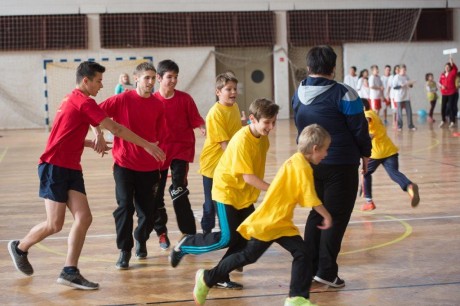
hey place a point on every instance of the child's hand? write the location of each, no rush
(154, 150)
(203, 130)
(106, 149)
(326, 223)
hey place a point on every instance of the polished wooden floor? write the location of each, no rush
(394, 255)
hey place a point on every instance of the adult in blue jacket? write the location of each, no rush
(338, 108)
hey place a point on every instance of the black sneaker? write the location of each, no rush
(76, 281)
(123, 260)
(141, 250)
(21, 262)
(164, 241)
(229, 285)
(336, 283)
(176, 253)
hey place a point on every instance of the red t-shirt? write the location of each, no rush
(182, 117)
(143, 116)
(448, 81)
(67, 139)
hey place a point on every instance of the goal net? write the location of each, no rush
(60, 79)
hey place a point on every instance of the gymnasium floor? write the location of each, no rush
(394, 255)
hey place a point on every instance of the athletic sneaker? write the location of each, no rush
(337, 283)
(176, 253)
(229, 285)
(298, 301)
(21, 262)
(141, 250)
(442, 124)
(76, 281)
(164, 241)
(452, 125)
(123, 260)
(412, 190)
(368, 206)
(200, 291)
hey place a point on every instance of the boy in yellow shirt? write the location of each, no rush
(222, 122)
(386, 153)
(238, 180)
(272, 221)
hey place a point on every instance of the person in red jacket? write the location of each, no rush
(449, 102)
(181, 117)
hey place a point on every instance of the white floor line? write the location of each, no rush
(298, 225)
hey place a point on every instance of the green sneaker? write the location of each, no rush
(298, 301)
(200, 291)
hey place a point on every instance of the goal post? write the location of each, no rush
(59, 79)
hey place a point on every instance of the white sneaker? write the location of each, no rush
(441, 124)
(451, 125)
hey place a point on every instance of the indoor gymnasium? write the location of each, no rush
(399, 247)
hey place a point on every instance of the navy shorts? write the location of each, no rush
(55, 182)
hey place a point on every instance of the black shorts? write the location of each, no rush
(55, 182)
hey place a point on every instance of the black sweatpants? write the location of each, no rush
(301, 275)
(134, 192)
(179, 195)
(336, 186)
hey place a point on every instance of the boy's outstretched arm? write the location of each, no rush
(255, 181)
(327, 219)
(126, 134)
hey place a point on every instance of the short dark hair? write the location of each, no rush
(388, 66)
(321, 60)
(165, 66)
(428, 75)
(89, 70)
(366, 104)
(142, 67)
(354, 68)
(263, 108)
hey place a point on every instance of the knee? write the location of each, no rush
(84, 220)
(251, 257)
(54, 227)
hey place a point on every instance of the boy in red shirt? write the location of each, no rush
(61, 177)
(136, 173)
(181, 116)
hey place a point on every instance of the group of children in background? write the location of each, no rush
(391, 90)
(377, 92)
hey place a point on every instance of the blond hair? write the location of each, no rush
(312, 135)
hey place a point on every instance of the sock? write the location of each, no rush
(71, 270)
(368, 200)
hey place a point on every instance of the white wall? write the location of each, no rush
(21, 85)
(420, 58)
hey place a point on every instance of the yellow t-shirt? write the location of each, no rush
(431, 89)
(273, 218)
(245, 154)
(382, 146)
(222, 122)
